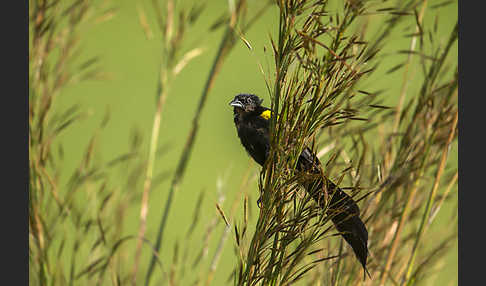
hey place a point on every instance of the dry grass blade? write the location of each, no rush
(221, 212)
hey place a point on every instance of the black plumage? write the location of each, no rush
(252, 124)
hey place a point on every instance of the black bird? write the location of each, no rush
(252, 123)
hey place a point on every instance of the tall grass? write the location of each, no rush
(92, 207)
(321, 58)
(393, 159)
(227, 42)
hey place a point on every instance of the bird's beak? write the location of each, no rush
(236, 103)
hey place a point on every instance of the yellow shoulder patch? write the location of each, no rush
(266, 114)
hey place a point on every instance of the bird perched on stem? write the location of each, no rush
(252, 122)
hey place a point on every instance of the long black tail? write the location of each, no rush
(342, 208)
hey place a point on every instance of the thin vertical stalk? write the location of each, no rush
(148, 182)
(444, 196)
(431, 198)
(163, 92)
(224, 47)
(227, 230)
(406, 81)
(403, 218)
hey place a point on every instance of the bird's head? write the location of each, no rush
(246, 103)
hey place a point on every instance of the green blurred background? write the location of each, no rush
(131, 63)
